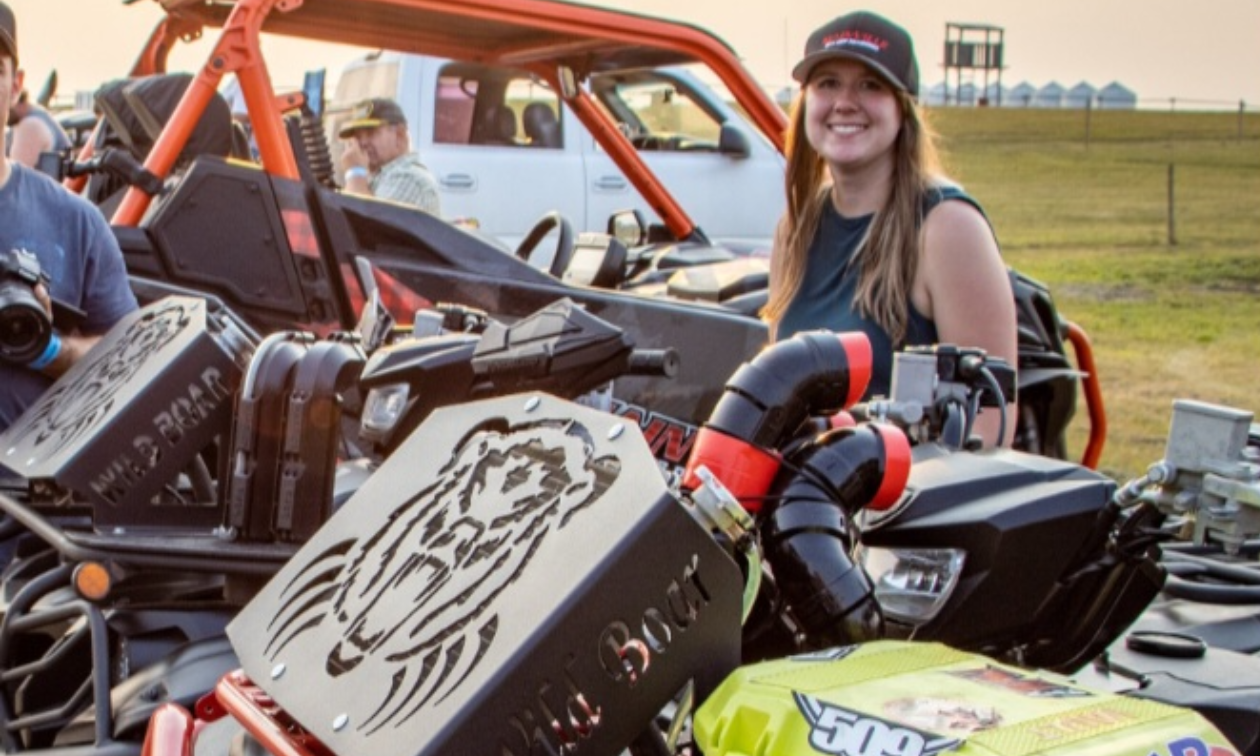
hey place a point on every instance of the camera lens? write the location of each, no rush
(24, 332)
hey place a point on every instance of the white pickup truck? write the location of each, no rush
(506, 151)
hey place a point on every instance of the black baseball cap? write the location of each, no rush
(866, 38)
(8, 31)
(369, 114)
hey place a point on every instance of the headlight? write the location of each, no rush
(383, 408)
(912, 585)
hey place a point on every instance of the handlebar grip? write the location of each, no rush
(664, 362)
(124, 165)
(118, 163)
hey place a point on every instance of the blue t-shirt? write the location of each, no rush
(825, 298)
(78, 252)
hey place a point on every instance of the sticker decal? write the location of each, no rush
(841, 732)
(1026, 685)
(1193, 746)
(955, 717)
(669, 438)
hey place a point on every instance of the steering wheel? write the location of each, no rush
(564, 242)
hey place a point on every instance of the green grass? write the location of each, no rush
(1091, 219)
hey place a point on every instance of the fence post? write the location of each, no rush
(1242, 110)
(1172, 205)
(1089, 109)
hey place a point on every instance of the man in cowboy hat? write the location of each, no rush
(378, 160)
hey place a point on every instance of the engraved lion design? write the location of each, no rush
(72, 408)
(413, 601)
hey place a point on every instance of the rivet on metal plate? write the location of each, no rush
(277, 671)
(340, 722)
(532, 403)
(615, 432)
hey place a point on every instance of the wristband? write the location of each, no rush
(356, 172)
(50, 353)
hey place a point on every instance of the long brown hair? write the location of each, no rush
(888, 258)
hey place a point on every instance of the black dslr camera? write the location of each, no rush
(25, 327)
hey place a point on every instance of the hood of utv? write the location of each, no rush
(1026, 522)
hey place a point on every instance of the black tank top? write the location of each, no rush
(825, 299)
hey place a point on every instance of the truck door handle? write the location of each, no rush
(458, 181)
(610, 183)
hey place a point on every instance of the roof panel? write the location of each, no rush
(515, 31)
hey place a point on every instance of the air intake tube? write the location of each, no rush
(767, 401)
(807, 529)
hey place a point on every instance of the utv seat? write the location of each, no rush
(498, 126)
(135, 111)
(541, 126)
(598, 260)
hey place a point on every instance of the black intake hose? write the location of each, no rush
(807, 528)
(769, 399)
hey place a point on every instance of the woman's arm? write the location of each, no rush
(964, 287)
(30, 138)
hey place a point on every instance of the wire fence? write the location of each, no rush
(1181, 104)
(1090, 124)
(1109, 178)
(1082, 99)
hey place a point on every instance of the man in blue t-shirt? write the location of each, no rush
(73, 243)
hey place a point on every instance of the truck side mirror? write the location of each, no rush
(628, 227)
(733, 142)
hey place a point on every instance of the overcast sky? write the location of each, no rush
(1206, 52)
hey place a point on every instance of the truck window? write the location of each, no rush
(538, 113)
(453, 112)
(496, 107)
(657, 114)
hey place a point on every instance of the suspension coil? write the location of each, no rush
(318, 154)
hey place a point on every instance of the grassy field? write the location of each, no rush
(1172, 312)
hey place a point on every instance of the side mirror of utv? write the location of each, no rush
(629, 227)
(733, 142)
(375, 320)
(568, 82)
(313, 88)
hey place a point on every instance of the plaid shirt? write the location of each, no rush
(406, 180)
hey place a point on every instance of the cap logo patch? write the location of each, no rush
(852, 38)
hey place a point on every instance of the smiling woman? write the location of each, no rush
(875, 238)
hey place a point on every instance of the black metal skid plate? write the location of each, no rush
(515, 578)
(126, 420)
